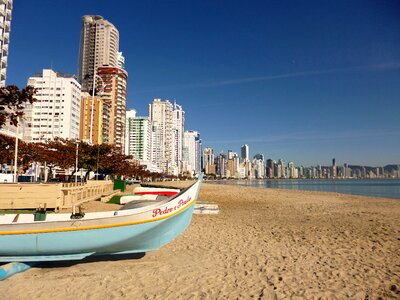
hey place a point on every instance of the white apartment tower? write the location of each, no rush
(157, 147)
(160, 115)
(178, 127)
(56, 112)
(138, 137)
(129, 136)
(192, 152)
(99, 47)
(5, 27)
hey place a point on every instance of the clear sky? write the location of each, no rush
(304, 81)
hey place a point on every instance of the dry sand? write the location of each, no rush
(264, 244)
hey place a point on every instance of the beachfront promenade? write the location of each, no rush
(55, 195)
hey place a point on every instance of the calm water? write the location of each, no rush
(387, 188)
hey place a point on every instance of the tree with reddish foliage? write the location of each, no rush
(7, 146)
(61, 153)
(116, 163)
(57, 153)
(12, 102)
(95, 157)
(26, 153)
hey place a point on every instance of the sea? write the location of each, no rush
(386, 188)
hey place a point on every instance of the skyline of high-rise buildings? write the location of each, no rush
(92, 108)
(232, 167)
(99, 115)
(54, 44)
(174, 150)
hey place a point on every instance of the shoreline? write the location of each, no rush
(334, 186)
(265, 243)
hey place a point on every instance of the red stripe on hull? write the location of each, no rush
(157, 193)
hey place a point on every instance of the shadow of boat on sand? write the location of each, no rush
(90, 259)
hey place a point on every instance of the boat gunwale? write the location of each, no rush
(93, 227)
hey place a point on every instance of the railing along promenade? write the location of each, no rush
(55, 195)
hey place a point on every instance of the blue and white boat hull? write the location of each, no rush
(124, 231)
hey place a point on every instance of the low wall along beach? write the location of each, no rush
(55, 196)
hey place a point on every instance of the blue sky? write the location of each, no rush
(304, 81)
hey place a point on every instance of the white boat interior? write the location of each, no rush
(54, 217)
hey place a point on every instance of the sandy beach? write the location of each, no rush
(264, 244)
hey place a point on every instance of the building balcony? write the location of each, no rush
(6, 37)
(7, 26)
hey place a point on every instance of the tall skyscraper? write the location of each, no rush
(5, 27)
(114, 105)
(178, 127)
(334, 169)
(56, 112)
(99, 47)
(199, 150)
(244, 151)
